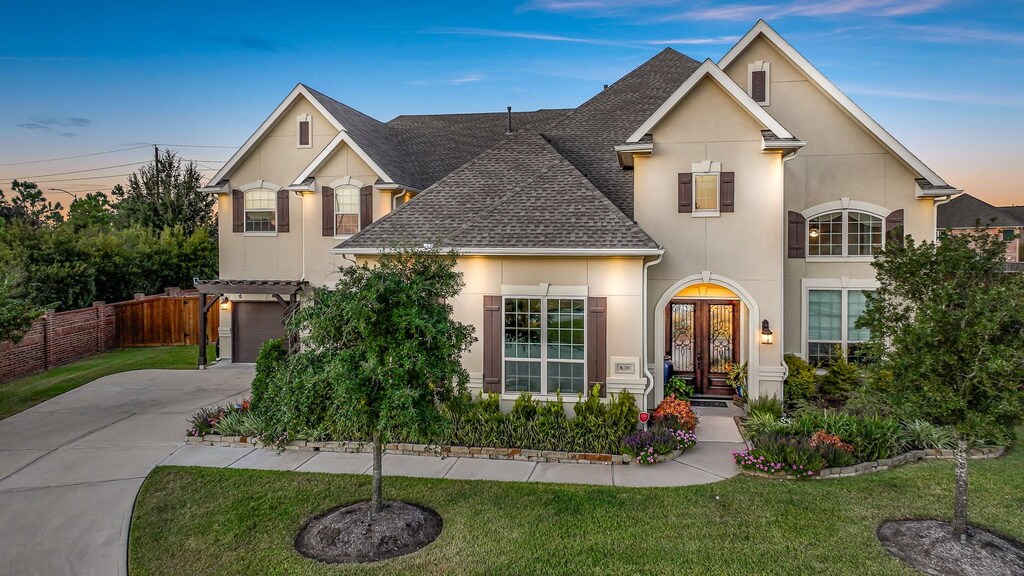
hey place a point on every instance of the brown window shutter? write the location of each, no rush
(327, 198)
(237, 211)
(894, 227)
(797, 235)
(685, 192)
(597, 343)
(365, 206)
(282, 211)
(727, 189)
(493, 340)
(304, 133)
(758, 85)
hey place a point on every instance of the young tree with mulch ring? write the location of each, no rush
(393, 349)
(948, 323)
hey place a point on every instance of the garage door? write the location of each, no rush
(253, 323)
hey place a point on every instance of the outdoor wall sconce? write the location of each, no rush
(766, 332)
(224, 303)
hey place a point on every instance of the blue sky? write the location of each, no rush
(945, 77)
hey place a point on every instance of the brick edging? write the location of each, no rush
(421, 450)
(982, 453)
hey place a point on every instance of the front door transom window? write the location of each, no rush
(544, 345)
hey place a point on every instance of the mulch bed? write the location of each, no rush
(350, 534)
(929, 546)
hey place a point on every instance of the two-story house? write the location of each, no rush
(965, 212)
(710, 213)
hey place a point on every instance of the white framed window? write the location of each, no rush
(831, 311)
(759, 82)
(304, 131)
(707, 193)
(261, 211)
(544, 348)
(346, 210)
(845, 233)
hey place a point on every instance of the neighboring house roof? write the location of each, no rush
(933, 185)
(587, 137)
(966, 211)
(519, 197)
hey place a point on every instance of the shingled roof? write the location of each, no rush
(966, 211)
(587, 137)
(520, 194)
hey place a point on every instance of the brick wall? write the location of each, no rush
(59, 338)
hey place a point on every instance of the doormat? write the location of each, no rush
(709, 403)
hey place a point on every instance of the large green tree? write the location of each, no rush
(163, 195)
(947, 322)
(16, 309)
(390, 344)
(27, 204)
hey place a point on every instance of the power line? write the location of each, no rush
(78, 156)
(89, 178)
(85, 170)
(195, 146)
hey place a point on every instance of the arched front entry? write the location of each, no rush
(705, 323)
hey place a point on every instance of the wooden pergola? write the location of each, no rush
(286, 292)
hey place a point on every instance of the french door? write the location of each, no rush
(703, 341)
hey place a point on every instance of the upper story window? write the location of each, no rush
(844, 233)
(346, 210)
(544, 349)
(305, 131)
(758, 81)
(260, 211)
(705, 192)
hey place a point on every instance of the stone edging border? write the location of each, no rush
(421, 450)
(913, 456)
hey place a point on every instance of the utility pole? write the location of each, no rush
(156, 168)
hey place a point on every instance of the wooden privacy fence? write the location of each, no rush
(167, 319)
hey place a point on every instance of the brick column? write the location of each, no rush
(49, 339)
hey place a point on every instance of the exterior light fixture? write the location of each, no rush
(766, 333)
(224, 303)
(814, 232)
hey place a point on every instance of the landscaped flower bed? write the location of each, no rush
(670, 432)
(826, 443)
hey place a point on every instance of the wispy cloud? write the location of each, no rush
(809, 8)
(961, 35)
(457, 81)
(542, 37)
(62, 126)
(941, 96)
(592, 7)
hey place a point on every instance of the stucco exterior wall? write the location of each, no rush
(745, 246)
(617, 279)
(841, 160)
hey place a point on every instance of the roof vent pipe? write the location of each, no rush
(509, 108)
(605, 87)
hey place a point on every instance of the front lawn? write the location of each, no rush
(219, 521)
(24, 393)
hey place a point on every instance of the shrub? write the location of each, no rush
(661, 440)
(766, 405)
(678, 409)
(209, 420)
(922, 435)
(679, 387)
(778, 452)
(270, 359)
(872, 437)
(841, 378)
(240, 423)
(759, 423)
(802, 383)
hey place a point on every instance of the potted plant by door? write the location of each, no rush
(737, 377)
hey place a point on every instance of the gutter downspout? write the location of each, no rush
(935, 216)
(647, 370)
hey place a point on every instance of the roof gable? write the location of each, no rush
(708, 70)
(966, 211)
(935, 186)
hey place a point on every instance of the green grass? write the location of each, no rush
(26, 392)
(219, 521)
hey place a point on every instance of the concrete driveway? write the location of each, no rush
(70, 468)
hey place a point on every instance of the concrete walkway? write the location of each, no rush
(709, 461)
(70, 468)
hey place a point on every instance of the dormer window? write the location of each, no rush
(305, 131)
(758, 80)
